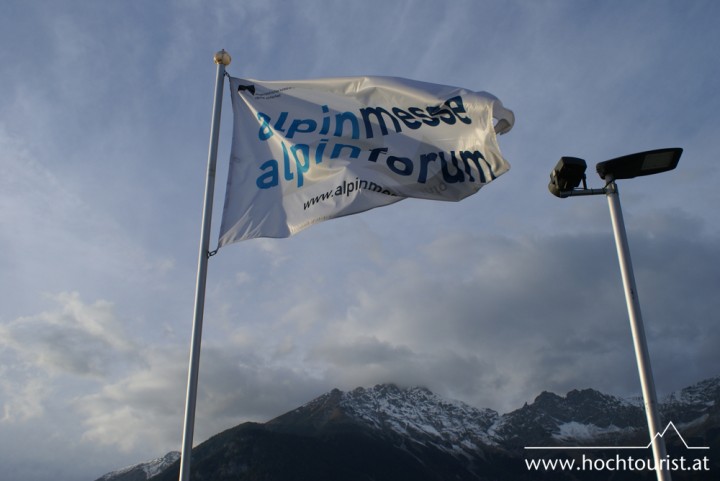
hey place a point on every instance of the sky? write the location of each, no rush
(104, 128)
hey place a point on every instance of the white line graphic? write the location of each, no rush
(662, 434)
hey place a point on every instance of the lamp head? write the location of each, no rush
(642, 163)
(566, 176)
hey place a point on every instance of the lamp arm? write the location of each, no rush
(577, 192)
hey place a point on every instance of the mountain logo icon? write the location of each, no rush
(661, 434)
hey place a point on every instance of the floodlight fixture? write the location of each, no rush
(566, 176)
(642, 163)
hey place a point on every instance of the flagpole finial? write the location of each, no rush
(222, 57)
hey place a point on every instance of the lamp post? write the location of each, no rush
(564, 182)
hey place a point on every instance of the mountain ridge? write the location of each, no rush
(394, 433)
(142, 471)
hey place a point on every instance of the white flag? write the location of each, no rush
(310, 150)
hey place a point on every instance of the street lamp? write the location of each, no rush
(564, 182)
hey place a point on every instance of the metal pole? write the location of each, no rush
(221, 60)
(638, 332)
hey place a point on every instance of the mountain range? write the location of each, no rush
(391, 433)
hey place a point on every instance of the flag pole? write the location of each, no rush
(222, 58)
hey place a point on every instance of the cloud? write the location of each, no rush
(145, 408)
(76, 339)
(47, 350)
(492, 320)
(23, 402)
(528, 314)
(471, 316)
(138, 407)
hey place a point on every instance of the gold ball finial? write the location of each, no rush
(222, 57)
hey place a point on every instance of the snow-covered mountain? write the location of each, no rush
(142, 471)
(394, 433)
(582, 417)
(413, 414)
